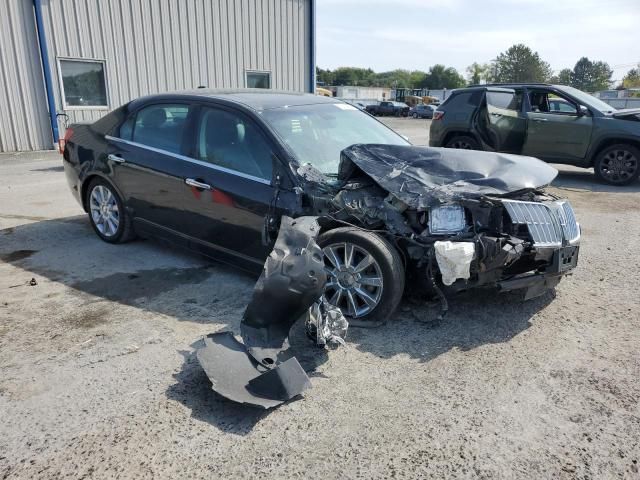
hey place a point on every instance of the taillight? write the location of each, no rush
(63, 141)
(437, 115)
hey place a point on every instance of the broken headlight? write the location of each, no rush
(446, 219)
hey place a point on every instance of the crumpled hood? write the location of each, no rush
(425, 176)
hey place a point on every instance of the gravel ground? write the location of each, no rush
(98, 377)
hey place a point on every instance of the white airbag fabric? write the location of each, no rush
(454, 260)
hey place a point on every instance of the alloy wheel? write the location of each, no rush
(618, 166)
(104, 210)
(354, 282)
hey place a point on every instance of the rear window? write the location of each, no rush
(159, 126)
(462, 100)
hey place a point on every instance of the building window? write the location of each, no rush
(83, 83)
(258, 80)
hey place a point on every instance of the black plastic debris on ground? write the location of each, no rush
(261, 371)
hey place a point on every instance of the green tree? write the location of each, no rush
(324, 76)
(440, 76)
(353, 76)
(519, 64)
(478, 72)
(632, 78)
(591, 76)
(563, 77)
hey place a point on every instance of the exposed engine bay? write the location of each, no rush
(460, 219)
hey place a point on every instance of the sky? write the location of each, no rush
(415, 34)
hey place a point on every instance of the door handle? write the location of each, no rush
(194, 183)
(115, 158)
(539, 119)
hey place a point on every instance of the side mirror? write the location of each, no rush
(583, 111)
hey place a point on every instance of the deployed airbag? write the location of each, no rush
(454, 260)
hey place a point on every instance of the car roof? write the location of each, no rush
(255, 98)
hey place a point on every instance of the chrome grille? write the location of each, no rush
(570, 227)
(543, 226)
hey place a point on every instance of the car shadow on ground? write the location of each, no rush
(193, 389)
(145, 274)
(584, 179)
(153, 277)
(475, 318)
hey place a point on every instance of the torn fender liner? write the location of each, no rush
(427, 176)
(261, 371)
(292, 280)
(237, 376)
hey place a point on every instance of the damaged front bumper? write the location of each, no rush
(540, 244)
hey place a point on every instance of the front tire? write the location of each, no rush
(618, 164)
(415, 115)
(464, 142)
(108, 217)
(365, 275)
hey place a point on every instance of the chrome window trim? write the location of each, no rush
(191, 160)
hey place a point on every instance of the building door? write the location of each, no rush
(24, 117)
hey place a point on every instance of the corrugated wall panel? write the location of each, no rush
(24, 117)
(148, 46)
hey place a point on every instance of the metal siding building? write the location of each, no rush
(144, 47)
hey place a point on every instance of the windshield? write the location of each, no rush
(589, 100)
(317, 134)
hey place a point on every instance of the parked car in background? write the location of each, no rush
(359, 104)
(382, 109)
(422, 111)
(555, 123)
(401, 109)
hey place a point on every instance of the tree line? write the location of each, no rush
(517, 64)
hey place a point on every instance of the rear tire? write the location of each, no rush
(618, 164)
(464, 142)
(108, 217)
(377, 289)
(415, 115)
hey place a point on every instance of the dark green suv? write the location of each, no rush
(555, 123)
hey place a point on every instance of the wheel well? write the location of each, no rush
(85, 185)
(83, 190)
(327, 224)
(607, 143)
(450, 135)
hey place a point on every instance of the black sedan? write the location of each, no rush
(214, 171)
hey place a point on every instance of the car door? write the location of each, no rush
(556, 129)
(230, 176)
(501, 123)
(147, 167)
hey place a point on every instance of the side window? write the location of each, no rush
(543, 101)
(126, 129)
(457, 100)
(228, 140)
(158, 126)
(560, 105)
(505, 100)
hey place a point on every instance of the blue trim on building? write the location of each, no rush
(312, 47)
(44, 56)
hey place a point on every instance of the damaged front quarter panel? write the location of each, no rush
(260, 371)
(400, 192)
